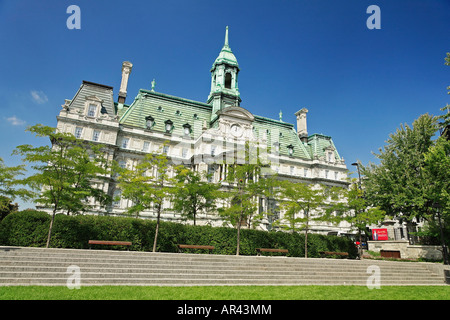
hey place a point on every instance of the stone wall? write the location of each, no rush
(407, 251)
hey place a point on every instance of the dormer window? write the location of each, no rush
(92, 110)
(290, 150)
(149, 122)
(187, 129)
(178, 113)
(330, 156)
(168, 126)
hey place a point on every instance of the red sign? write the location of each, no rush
(379, 234)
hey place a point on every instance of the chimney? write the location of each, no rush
(126, 70)
(302, 131)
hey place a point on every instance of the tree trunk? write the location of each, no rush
(157, 229)
(306, 242)
(238, 235)
(50, 228)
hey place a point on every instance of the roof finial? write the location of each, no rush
(226, 38)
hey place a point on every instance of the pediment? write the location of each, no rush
(236, 112)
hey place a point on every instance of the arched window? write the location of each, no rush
(228, 80)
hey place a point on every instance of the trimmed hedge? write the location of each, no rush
(29, 228)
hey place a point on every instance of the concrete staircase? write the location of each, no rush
(38, 266)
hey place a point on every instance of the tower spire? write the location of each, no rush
(224, 80)
(226, 38)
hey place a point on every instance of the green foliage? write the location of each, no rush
(25, 228)
(147, 185)
(29, 228)
(436, 169)
(248, 180)
(6, 207)
(354, 209)
(192, 193)
(303, 203)
(398, 185)
(64, 171)
(9, 181)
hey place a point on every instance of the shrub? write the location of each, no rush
(30, 228)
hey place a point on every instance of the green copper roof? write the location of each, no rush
(281, 133)
(162, 107)
(226, 56)
(319, 143)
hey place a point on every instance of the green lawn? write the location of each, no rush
(227, 293)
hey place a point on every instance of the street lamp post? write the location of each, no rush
(438, 207)
(359, 174)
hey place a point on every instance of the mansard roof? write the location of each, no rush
(162, 107)
(95, 92)
(319, 145)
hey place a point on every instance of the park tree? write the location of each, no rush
(192, 193)
(62, 171)
(444, 123)
(437, 171)
(398, 184)
(147, 185)
(247, 181)
(240, 197)
(9, 180)
(302, 204)
(90, 170)
(351, 205)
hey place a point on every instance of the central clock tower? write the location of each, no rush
(224, 80)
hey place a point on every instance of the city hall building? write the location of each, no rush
(201, 135)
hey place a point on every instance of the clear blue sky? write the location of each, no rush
(358, 84)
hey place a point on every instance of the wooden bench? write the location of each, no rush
(109, 243)
(329, 253)
(259, 250)
(191, 246)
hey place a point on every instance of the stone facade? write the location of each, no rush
(201, 135)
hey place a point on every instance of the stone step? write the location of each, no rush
(53, 267)
(237, 261)
(38, 266)
(129, 257)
